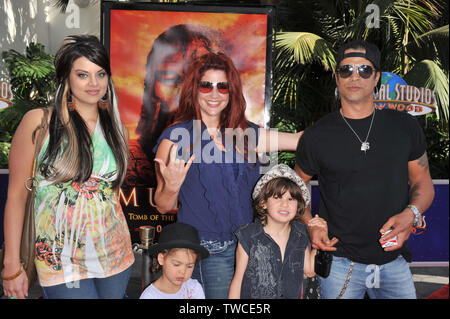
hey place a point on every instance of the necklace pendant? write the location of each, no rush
(365, 146)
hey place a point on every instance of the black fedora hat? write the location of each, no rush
(179, 235)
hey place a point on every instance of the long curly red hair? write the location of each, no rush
(233, 116)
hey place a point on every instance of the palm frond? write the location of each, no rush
(61, 4)
(433, 45)
(31, 75)
(428, 74)
(306, 48)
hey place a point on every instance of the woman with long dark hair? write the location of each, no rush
(83, 247)
(208, 161)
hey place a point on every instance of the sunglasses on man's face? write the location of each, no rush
(206, 87)
(364, 71)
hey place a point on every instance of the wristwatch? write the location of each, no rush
(417, 216)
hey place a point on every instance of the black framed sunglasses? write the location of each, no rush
(206, 87)
(364, 71)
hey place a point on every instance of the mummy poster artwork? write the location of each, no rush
(150, 48)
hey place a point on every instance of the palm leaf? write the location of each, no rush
(61, 4)
(298, 55)
(306, 48)
(30, 74)
(433, 45)
(428, 74)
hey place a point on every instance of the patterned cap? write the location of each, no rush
(282, 170)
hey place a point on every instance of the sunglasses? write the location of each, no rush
(364, 71)
(206, 87)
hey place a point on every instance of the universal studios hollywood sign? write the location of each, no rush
(395, 93)
(5, 95)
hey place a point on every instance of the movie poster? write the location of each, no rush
(150, 47)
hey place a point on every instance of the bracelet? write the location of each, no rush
(417, 215)
(17, 274)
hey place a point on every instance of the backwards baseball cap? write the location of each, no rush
(372, 52)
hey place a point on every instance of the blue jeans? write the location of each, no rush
(216, 272)
(389, 281)
(112, 287)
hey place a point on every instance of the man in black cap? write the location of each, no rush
(364, 159)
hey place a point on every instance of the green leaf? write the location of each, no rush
(433, 45)
(306, 48)
(32, 75)
(428, 74)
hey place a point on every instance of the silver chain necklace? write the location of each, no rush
(364, 145)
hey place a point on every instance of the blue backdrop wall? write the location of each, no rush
(431, 246)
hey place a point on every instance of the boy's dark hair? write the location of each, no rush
(278, 187)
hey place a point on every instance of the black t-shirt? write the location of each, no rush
(360, 191)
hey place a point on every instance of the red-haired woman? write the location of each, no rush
(208, 161)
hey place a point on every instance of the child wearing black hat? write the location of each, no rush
(177, 251)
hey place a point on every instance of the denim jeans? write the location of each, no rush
(216, 272)
(112, 287)
(389, 281)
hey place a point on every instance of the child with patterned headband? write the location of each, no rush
(273, 252)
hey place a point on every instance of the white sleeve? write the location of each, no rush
(149, 293)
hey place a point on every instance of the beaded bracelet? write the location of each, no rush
(17, 274)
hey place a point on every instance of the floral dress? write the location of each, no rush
(81, 231)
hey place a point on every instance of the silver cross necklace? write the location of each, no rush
(364, 145)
